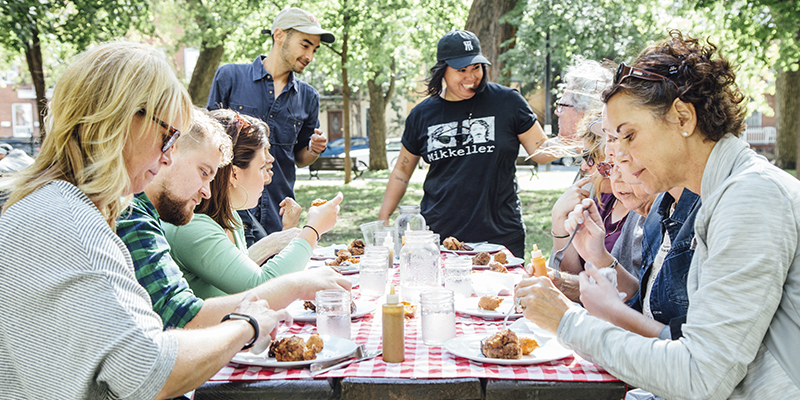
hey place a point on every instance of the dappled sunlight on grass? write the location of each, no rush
(363, 198)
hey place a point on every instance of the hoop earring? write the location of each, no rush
(685, 134)
(246, 197)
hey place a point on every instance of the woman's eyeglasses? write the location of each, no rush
(173, 135)
(624, 71)
(605, 169)
(588, 158)
(560, 107)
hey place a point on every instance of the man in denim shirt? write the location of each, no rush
(268, 89)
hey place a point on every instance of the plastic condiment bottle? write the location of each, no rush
(393, 320)
(538, 261)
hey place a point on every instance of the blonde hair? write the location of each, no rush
(89, 122)
(206, 130)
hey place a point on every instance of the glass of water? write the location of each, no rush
(458, 275)
(373, 267)
(438, 316)
(333, 313)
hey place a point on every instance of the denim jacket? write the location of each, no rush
(668, 300)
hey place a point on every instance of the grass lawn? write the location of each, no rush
(362, 201)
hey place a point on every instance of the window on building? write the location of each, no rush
(22, 119)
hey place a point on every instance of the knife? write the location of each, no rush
(348, 362)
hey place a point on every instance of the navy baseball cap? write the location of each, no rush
(459, 49)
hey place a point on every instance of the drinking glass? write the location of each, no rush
(374, 268)
(333, 313)
(458, 275)
(438, 316)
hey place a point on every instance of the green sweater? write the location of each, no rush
(215, 267)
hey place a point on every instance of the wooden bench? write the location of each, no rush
(335, 164)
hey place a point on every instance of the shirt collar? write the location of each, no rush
(721, 162)
(258, 73)
(148, 205)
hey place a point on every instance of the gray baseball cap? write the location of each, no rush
(303, 21)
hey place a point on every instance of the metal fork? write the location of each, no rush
(510, 311)
(555, 261)
(358, 353)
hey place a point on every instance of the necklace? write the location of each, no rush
(605, 220)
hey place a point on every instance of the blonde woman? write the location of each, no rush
(72, 309)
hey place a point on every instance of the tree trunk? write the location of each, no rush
(787, 118)
(378, 100)
(203, 74)
(33, 55)
(346, 96)
(483, 21)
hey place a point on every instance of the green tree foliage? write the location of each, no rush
(768, 32)
(384, 45)
(26, 24)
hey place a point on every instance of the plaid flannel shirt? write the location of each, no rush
(139, 227)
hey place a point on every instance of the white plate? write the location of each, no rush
(511, 261)
(328, 252)
(477, 248)
(469, 346)
(469, 306)
(301, 314)
(344, 270)
(333, 347)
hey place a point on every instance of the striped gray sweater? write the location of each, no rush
(75, 322)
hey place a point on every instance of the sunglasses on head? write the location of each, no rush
(624, 71)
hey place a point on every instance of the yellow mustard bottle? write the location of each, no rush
(539, 262)
(393, 321)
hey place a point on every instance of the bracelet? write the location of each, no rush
(312, 151)
(251, 320)
(312, 228)
(558, 236)
(614, 264)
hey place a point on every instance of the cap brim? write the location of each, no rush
(324, 35)
(462, 62)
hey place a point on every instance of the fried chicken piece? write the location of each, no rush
(481, 258)
(452, 243)
(497, 267)
(409, 310)
(356, 247)
(501, 257)
(291, 349)
(503, 344)
(315, 343)
(309, 305)
(527, 345)
(318, 202)
(489, 303)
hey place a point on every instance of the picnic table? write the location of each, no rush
(428, 372)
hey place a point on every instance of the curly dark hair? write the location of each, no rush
(434, 81)
(249, 135)
(703, 77)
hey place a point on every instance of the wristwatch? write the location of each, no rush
(249, 319)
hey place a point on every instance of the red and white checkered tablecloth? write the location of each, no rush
(421, 361)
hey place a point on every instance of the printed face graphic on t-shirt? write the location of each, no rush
(451, 139)
(452, 134)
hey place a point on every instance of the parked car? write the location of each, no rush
(28, 145)
(336, 146)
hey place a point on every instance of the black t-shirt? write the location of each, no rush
(471, 188)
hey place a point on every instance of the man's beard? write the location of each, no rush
(286, 54)
(173, 210)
